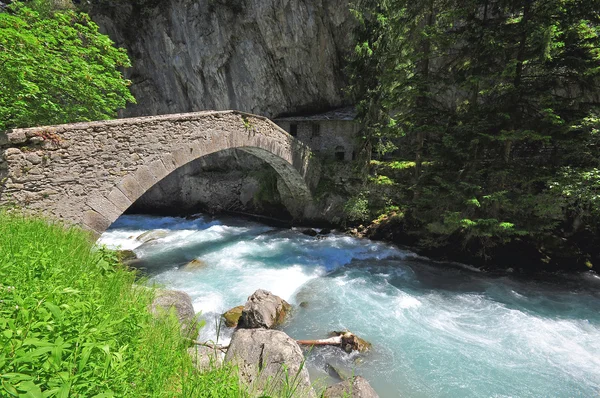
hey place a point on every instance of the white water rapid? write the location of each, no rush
(437, 331)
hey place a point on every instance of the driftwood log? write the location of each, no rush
(347, 341)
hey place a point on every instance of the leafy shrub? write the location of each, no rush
(357, 208)
(57, 68)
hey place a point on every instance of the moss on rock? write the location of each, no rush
(233, 316)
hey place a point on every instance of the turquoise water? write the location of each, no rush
(437, 331)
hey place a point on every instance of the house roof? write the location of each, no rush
(347, 113)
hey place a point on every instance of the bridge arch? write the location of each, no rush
(90, 173)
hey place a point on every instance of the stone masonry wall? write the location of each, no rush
(333, 134)
(90, 173)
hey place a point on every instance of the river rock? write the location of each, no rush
(205, 358)
(351, 342)
(233, 316)
(263, 310)
(180, 302)
(338, 372)
(152, 235)
(263, 357)
(310, 232)
(195, 264)
(126, 256)
(356, 387)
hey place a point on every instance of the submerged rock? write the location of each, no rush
(356, 387)
(126, 256)
(233, 316)
(267, 360)
(338, 372)
(195, 264)
(310, 232)
(205, 358)
(263, 310)
(152, 235)
(179, 302)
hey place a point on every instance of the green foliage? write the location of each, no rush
(381, 180)
(480, 228)
(66, 330)
(389, 212)
(72, 324)
(499, 99)
(247, 123)
(579, 189)
(401, 165)
(357, 208)
(57, 68)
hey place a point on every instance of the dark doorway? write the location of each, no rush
(340, 153)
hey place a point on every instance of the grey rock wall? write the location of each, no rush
(264, 56)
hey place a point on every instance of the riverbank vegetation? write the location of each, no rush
(73, 324)
(484, 120)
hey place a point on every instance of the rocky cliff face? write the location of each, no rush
(267, 57)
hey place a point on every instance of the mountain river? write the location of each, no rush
(437, 330)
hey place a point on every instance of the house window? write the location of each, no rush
(339, 153)
(293, 129)
(316, 130)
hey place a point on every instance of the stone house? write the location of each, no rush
(332, 134)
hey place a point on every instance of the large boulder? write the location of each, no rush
(356, 387)
(180, 302)
(263, 310)
(205, 358)
(269, 361)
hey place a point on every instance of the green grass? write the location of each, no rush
(72, 324)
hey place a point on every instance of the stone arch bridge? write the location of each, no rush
(88, 174)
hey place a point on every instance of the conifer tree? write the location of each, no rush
(500, 98)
